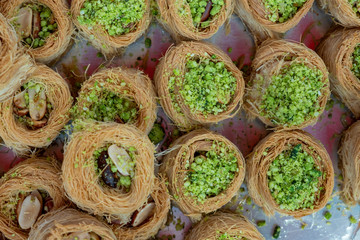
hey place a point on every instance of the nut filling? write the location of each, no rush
(292, 95)
(294, 179)
(31, 106)
(210, 171)
(34, 23)
(140, 216)
(25, 208)
(280, 11)
(203, 12)
(103, 105)
(206, 86)
(116, 166)
(117, 17)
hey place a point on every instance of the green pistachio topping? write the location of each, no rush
(293, 179)
(355, 4)
(352, 219)
(292, 96)
(276, 233)
(261, 223)
(202, 11)
(211, 172)
(282, 10)
(101, 104)
(156, 134)
(355, 57)
(117, 17)
(206, 86)
(327, 215)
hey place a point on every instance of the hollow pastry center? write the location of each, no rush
(210, 172)
(31, 105)
(355, 58)
(282, 10)
(202, 11)
(24, 208)
(292, 96)
(206, 86)
(115, 165)
(355, 4)
(106, 106)
(34, 23)
(117, 17)
(294, 179)
(79, 235)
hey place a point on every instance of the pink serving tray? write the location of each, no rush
(83, 60)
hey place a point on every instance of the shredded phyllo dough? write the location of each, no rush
(44, 27)
(158, 220)
(204, 171)
(111, 25)
(118, 95)
(224, 226)
(38, 175)
(109, 163)
(288, 86)
(296, 171)
(37, 112)
(349, 154)
(68, 223)
(193, 19)
(198, 84)
(341, 54)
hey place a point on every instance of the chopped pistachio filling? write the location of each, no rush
(293, 179)
(355, 4)
(156, 134)
(109, 172)
(211, 172)
(203, 11)
(355, 57)
(34, 23)
(117, 17)
(206, 86)
(282, 10)
(292, 96)
(103, 105)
